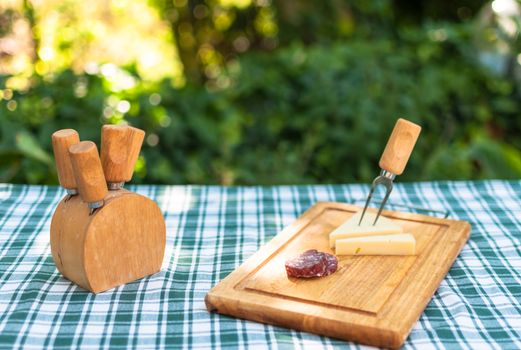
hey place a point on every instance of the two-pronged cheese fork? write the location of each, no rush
(394, 159)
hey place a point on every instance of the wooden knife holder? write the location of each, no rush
(103, 238)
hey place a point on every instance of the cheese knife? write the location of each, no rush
(120, 147)
(61, 141)
(88, 173)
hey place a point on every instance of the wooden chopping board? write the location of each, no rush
(373, 300)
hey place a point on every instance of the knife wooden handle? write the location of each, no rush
(61, 141)
(88, 171)
(120, 147)
(399, 146)
(134, 147)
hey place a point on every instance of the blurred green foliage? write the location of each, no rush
(310, 111)
(300, 114)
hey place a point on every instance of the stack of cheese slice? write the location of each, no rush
(384, 238)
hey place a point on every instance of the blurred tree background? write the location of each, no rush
(264, 91)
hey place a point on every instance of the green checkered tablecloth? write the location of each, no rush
(211, 231)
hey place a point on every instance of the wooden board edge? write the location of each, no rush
(260, 312)
(408, 323)
(393, 214)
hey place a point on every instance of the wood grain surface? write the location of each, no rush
(373, 300)
(399, 146)
(88, 172)
(120, 146)
(61, 141)
(119, 243)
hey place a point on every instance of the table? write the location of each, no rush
(210, 231)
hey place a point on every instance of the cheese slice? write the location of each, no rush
(397, 244)
(351, 229)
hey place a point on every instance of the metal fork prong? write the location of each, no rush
(369, 196)
(389, 188)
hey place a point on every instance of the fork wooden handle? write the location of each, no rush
(399, 146)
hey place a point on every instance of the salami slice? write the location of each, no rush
(311, 263)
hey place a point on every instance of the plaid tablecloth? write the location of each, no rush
(211, 231)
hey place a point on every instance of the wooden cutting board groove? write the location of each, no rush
(373, 300)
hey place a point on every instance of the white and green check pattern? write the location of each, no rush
(211, 231)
